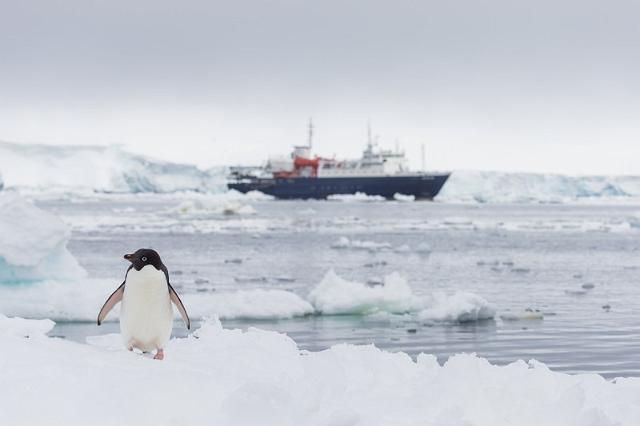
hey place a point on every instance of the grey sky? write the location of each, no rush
(507, 85)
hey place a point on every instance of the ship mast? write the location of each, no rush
(369, 139)
(310, 142)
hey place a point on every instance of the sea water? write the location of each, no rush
(562, 277)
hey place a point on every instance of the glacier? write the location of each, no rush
(111, 169)
(100, 169)
(501, 187)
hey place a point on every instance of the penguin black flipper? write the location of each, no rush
(115, 297)
(176, 301)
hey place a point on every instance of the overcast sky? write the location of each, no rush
(497, 85)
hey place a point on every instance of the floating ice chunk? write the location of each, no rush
(459, 307)
(357, 197)
(74, 300)
(423, 248)
(257, 196)
(404, 197)
(346, 243)
(247, 304)
(337, 296)
(232, 377)
(33, 243)
(527, 314)
(20, 327)
(402, 249)
(228, 203)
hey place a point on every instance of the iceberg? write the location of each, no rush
(33, 243)
(233, 377)
(499, 187)
(100, 169)
(337, 296)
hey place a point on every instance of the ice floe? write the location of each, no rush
(357, 197)
(346, 243)
(462, 306)
(217, 204)
(248, 304)
(33, 243)
(230, 377)
(335, 295)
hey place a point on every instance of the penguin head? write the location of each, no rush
(144, 257)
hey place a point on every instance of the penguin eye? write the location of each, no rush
(144, 259)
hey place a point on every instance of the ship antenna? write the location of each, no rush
(310, 133)
(369, 139)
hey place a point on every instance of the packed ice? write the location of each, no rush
(233, 377)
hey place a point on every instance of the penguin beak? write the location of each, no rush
(128, 257)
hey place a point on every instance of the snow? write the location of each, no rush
(357, 197)
(254, 304)
(100, 168)
(33, 243)
(80, 300)
(336, 296)
(346, 243)
(20, 327)
(459, 307)
(230, 377)
(227, 203)
(499, 187)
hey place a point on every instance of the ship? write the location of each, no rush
(303, 175)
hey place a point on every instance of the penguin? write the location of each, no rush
(146, 315)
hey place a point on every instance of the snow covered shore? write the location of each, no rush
(229, 377)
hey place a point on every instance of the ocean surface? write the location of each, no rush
(577, 264)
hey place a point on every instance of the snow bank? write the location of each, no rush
(33, 243)
(229, 377)
(496, 187)
(337, 296)
(100, 168)
(20, 327)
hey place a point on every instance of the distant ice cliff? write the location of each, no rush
(112, 169)
(100, 168)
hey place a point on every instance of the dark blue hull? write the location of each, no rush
(422, 186)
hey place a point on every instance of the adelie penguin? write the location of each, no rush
(146, 315)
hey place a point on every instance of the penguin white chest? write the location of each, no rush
(146, 316)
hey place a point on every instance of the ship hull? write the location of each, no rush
(422, 186)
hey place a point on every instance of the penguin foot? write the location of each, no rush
(159, 355)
